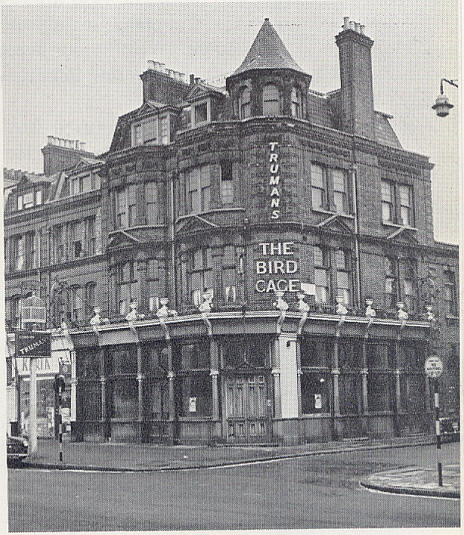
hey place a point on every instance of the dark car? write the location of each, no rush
(16, 449)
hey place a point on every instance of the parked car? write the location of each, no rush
(16, 449)
(449, 429)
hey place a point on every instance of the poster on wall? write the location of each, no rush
(192, 404)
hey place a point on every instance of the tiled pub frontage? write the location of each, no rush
(233, 377)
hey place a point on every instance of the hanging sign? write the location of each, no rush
(32, 344)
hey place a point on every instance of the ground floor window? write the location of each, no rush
(157, 399)
(315, 393)
(89, 407)
(350, 393)
(380, 391)
(123, 398)
(412, 391)
(194, 395)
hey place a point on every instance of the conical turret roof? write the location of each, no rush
(268, 52)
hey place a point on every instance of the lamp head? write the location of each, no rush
(442, 106)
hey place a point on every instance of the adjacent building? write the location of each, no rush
(246, 264)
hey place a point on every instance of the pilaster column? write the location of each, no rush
(103, 416)
(299, 373)
(364, 376)
(171, 375)
(277, 397)
(73, 385)
(142, 297)
(140, 381)
(214, 358)
(335, 377)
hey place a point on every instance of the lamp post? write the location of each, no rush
(442, 105)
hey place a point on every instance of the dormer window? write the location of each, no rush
(245, 103)
(151, 131)
(196, 114)
(271, 100)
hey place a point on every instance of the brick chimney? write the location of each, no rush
(60, 154)
(357, 99)
(163, 85)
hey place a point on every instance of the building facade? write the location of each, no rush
(248, 264)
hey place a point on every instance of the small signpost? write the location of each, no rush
(32, 345)
(433, 370)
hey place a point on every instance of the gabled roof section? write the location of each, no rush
(268, 52)
(202, 90)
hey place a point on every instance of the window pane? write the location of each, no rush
(405, 215)
(386, 192)
(387, 212)
(270, 100)
(201, 113)
(340, 259)
(150, 130)
(339, 180)
(317, 176)
(314, 393)
(317, 198)
(343, 279)
(339, 202)
(318, 257)
(405, 196)
(320, 277)
(198, 259)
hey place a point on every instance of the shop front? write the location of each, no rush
(251, 379)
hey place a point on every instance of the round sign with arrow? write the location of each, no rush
(433, 367)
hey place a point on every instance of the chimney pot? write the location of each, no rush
(192, 79)
(151, 65)
(357, 27)
(346, 21)
(197, 80)
(182, 76)
(361, 29)
(162, 67)
(351, 25)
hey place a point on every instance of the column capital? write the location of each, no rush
(214, 373)
(171, 376)
(335, 371)
(74, 381)
(276, 371)
(364, 371)
(140, 377)
(397, 372)
(102, 379)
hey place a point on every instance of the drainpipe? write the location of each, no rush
(356, 231)
(171, 239)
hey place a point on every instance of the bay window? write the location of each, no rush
(296, 104)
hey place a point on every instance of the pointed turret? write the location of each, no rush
(269, 82)
(268, 52)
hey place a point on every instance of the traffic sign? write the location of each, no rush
(433, 367)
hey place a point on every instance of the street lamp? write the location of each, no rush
(442, 104)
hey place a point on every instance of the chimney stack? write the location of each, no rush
(60, 153)
(357, 98)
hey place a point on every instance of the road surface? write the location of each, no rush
(320, 491)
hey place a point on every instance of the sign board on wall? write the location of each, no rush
(45, 366)
(32, 344)
(433, 367)
(192, 404)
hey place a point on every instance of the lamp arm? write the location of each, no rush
(451, 82)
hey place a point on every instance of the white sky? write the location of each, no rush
(71, 70)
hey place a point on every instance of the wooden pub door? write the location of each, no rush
(247, 413)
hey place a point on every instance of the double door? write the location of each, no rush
(247, 409)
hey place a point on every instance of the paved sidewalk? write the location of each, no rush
(152, 457)
(418, 481)
(144, 457)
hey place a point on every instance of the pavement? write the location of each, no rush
(123, 457)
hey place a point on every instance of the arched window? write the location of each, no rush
(245, 103)
(296, 102)
(271, 100)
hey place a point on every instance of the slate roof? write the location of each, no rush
(268, 52)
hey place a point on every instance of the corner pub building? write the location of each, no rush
(267, 271)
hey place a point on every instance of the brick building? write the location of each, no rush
(261, 257)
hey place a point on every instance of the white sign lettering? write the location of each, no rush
(274, 180)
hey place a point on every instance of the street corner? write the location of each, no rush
(416, 480)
